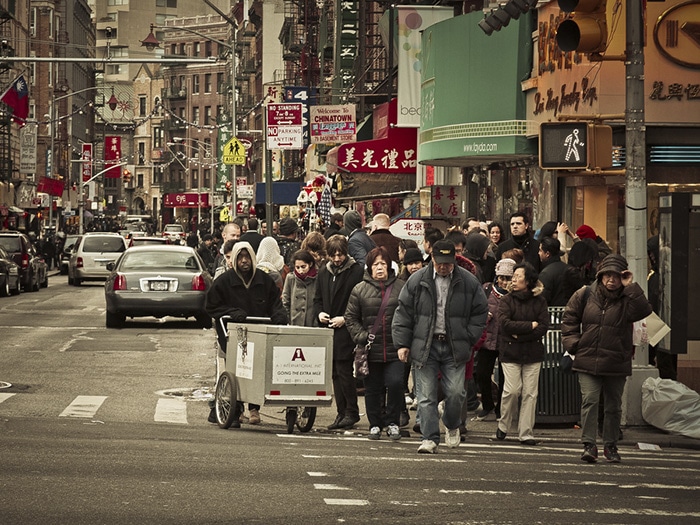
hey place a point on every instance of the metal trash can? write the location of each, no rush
(559, 397)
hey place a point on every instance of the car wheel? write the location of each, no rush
(35, 284)
(17, 290)
(114, 320)
(5, 288)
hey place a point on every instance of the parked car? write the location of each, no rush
(66, 251)
(31, 264)
(10, 280)
(91, 255)
(174, 232)
(142, 241)
(157, 281)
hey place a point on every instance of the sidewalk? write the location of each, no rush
(485, 431)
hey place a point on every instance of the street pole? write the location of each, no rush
(635, 197)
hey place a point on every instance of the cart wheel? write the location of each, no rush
(291, 417)
(306, 420)
(225, 400)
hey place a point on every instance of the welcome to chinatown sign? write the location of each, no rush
(331, 124)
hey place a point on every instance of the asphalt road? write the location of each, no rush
(109, 426)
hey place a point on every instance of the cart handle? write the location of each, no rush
(225, 319)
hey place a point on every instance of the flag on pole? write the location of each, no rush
(17, 98)
(324, 206)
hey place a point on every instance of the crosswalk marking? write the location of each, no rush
(5, 397)
(171, 410)
(328, 486)
(83, 406)
(339, 501)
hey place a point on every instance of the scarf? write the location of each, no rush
(311, 273)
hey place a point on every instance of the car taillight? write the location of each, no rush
(119, 282)
(25, 260)
(79, 262)
(198, 283)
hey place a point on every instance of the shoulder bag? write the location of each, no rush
(361, 364)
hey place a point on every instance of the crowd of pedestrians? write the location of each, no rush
(453, 327)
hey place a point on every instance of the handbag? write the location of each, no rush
(361, 362)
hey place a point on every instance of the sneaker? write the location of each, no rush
(375, 433)
(427, 446)
(393, 432)
(611, 454)
(334, 425)
(452, 438)
(404, 419)
(481, 415)
(590, 453)
(254, 418)
(348, 422)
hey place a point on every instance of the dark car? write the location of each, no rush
(68, 245)
(157, 281)
(10, 283)
(31, 264)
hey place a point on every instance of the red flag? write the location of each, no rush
(113, 153)
(17, 98)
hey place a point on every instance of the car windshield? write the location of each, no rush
(159, 261)
(173, 228)
(10, 243)
(103, 244)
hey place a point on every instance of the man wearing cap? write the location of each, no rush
(596, 329)
(287, 239)
(441, 314)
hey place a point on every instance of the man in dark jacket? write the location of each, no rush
(251, 236)
(243, 292)
(335, 281)
(552, 274)
(521, 238)
(359, 243)
(335, 225)
(287, 239)
(596, 329)
(441, 314)
(383, 237)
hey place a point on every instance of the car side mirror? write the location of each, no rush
(110, 266)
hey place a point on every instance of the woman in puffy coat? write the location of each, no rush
(523, 319)
(300, 288)
(385, 370)
(597, 330)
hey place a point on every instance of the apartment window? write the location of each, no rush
(182, 50)
(195, 176)
(182, 113)
(139, 180)
(196, 48)
(195, 84)
(219, 82)
(207, 115)
(142, 153)
(118, 2)
(32, 72)
(182, 82)
(32, 112)
(206, 182)
(207, 83)
(207, 48)
(142, 106)
(157, 137)
(173, 49)
(195, 115)
(113, 69)
(32, 21)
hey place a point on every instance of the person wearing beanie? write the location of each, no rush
(359, 243)
(586, 232)
(475, 247)
(597, 330)
(412, 262)
(521, 238)
(287, 239)
(553, 272)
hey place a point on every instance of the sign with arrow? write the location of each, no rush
(234, 153)
(285, 126)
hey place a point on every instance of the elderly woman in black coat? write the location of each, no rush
(523, 318)
(385, 370)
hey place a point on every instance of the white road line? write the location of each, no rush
(5, 397)
(171, 410)
(328, 486)
(317, 474)
(630, 512)
(487, 492)
(83, 406)
(355, 502)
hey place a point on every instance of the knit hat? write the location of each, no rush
(352, 220)
(288, 226)
(582, 253)
(505, 267)
(412, 255)
(548, 229)
(612, 263)
(476, 245)
(586, 232)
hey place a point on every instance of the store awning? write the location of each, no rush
(282, 192)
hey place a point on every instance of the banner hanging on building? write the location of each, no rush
(412, 21)
(27, 149)
(113, 154)
(86, 166)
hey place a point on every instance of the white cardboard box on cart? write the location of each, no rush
(281, 365)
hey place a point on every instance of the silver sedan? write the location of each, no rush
(158, 281)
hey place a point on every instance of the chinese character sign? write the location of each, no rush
(86, 158)
(113, 154)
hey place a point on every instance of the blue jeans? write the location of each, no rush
(612, 388)
(440, 361)
(384, 377)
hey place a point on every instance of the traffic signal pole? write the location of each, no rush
(635, 198)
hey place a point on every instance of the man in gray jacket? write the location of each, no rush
(441, 314)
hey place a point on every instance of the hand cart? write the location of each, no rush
(275, 365)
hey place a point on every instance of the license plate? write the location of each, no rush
(158, 286)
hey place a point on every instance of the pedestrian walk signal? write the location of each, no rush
(234, 153)
(575, 145)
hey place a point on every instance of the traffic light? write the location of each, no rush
(586, 28)
(126, 175)
(500, 17)
(575, 145)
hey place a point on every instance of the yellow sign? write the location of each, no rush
(234, 152)
(225, 214)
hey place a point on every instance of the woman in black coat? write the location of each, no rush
(523, 318)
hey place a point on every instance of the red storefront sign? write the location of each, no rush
(113, 152)
(186, 200)
(53, 187)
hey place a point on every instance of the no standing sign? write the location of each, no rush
(285, 129)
